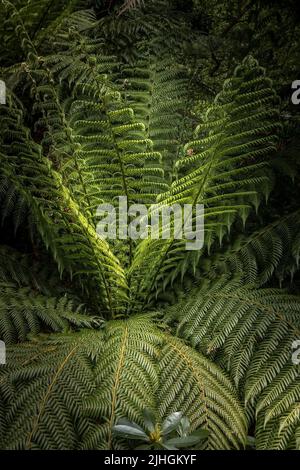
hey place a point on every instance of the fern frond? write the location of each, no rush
(271, 251)
(39, 17)
(158, 92)
(52, 122)
(27, 270)
(156, 25)
(12, 204)
(23, 311)
(126, 378)
(72, 240)
(192, 383)
(67, 391)
(116, 149)
(80, 59)
(42, 389)
(229, 175)
(250, 332)
(195, 386)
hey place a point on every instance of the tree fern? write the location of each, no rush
(100, 106)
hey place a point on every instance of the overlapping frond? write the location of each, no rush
(42, 389)
(157, 24)
(115, 149)
(126, 378)
(97, 108)
(158, 92)
(39, 272)
(50, 123)
(67, 391)
(78, 58)
(39, 18)
(12, 204)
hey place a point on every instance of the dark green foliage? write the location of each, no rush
(272, 252)
(39, 17)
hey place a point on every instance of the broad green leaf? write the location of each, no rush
(184, 442)
(171, 422)
(131, 430)
(149, 419)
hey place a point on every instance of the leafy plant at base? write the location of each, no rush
(156, 437)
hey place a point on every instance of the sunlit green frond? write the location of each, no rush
(157, 90)
(116, 149)
(227, 174)
(71, 239)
